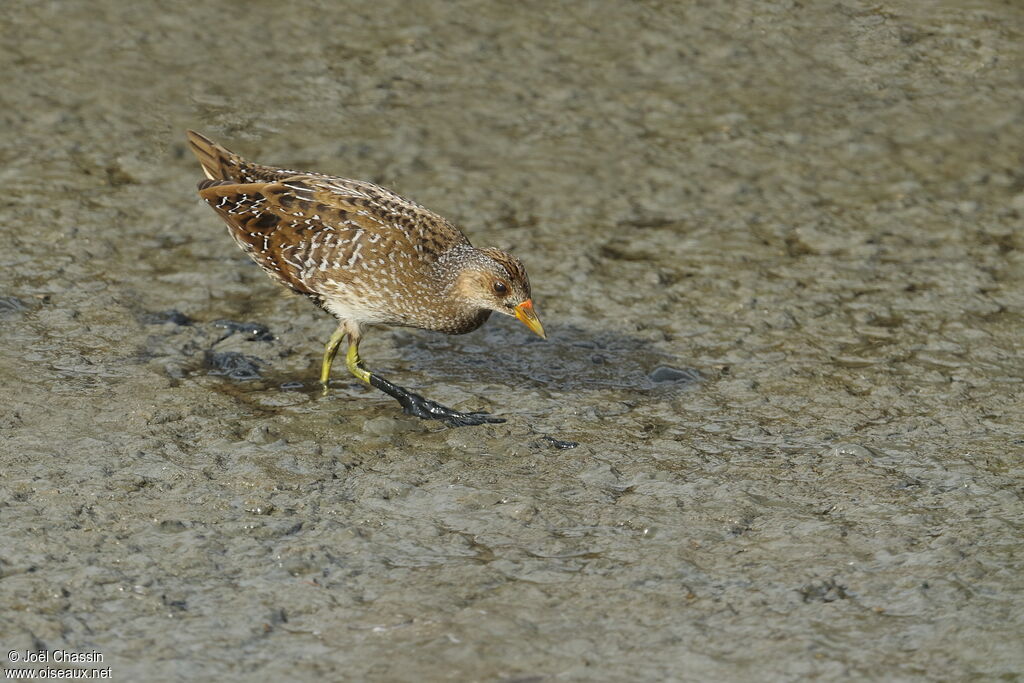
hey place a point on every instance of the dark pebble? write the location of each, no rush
(161, 317)
(252, 331)
(557, 443)
(665, 373)
(11, 305)
(233, 365)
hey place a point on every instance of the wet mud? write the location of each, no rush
(777, 250)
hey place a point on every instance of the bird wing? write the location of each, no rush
(307, 228)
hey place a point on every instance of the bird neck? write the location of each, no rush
(459, 316)
(452, 263)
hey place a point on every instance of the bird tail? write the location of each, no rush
(218, 163)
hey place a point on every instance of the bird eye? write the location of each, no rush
(500, 287)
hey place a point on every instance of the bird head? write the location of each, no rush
(497, 281)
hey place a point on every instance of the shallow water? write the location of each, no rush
(814, 212)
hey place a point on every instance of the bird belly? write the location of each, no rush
(399, 306)
(356, 309)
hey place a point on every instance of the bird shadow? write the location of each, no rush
(572, 359)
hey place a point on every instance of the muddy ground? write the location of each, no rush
(812, 211)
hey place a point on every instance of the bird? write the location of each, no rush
(366, 256)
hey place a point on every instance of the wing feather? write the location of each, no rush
(307, 229)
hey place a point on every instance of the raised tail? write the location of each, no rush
(218, 163)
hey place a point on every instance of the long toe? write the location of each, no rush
(457, 419)
(426, 409)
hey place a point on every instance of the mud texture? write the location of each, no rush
(778, 251)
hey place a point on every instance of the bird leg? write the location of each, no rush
(412, 403)
(355, 363)
(330, 351)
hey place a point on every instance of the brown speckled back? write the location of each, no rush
(358, 250)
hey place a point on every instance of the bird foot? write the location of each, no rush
(418, 406)
(432, 410)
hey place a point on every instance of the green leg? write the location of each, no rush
(330, 351)
(413, 404)
(354, 363)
